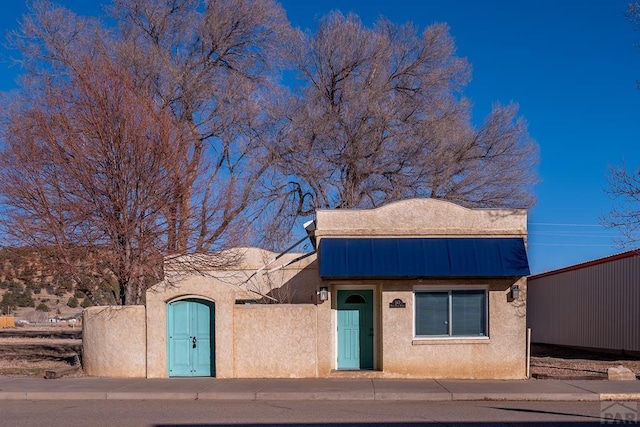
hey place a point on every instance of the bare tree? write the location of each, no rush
(89, 164)
(185, 82)
(378, 116)
(633, 13)
(624, 183)
(624, 189)
(211, 64)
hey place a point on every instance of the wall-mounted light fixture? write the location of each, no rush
(514, 292)
(324, 293)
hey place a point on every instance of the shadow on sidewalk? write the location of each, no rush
(413, 424)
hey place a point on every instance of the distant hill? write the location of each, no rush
(31, 288)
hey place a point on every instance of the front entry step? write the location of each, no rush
(346, 373)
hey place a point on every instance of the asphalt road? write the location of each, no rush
(93, 413)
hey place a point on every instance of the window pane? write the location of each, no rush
(432, 313)
(468, 313)
(355, 299)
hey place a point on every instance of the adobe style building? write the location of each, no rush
(420, 288)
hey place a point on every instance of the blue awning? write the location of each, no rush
(422, 257)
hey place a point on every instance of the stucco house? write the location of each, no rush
(420, 288)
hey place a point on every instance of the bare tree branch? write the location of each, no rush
(379, 116)
(624, 190)
(624, 183)
(148, 139)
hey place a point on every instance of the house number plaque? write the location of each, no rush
(397, 303)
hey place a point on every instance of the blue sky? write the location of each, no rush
(571, 65)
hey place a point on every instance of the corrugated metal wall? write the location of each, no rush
(597, 306)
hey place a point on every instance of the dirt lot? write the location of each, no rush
(558, 362)
(30, 352)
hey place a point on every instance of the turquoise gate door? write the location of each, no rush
(190, 338)
(355, 329)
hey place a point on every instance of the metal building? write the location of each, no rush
(593, 305)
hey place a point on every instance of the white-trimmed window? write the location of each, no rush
(450, 313)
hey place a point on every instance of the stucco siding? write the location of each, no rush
(198, 287)
(253, 273)
(421, 217)
(299, 339)
(114, 342)
(275, 341)
(500, 355)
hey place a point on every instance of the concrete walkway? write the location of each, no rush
(315, 389)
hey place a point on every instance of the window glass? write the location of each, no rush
(432, 313)
(355, 299)
(468, 310)
(451, 313)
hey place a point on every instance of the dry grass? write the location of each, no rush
(30, 352)
(25, 368)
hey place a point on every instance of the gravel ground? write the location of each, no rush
(558, 362)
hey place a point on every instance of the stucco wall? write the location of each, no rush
(275, 341)
(296, 283)
(252, 341)
(300, 340)
(421, 217)
(398, 354)
(221, 294)
(114, 342)
(292, 278)
(500, 355)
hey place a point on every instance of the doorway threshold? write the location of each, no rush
(356, 373)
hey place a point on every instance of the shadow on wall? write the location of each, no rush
(298, 289)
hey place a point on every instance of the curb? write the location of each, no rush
(325, 396)
(619, 396)
(381, 390)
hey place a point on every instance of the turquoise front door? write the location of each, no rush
(190, 333)
(355, 329)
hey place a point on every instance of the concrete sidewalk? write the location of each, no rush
(314, 389)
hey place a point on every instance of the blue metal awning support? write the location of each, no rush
(408, 257)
